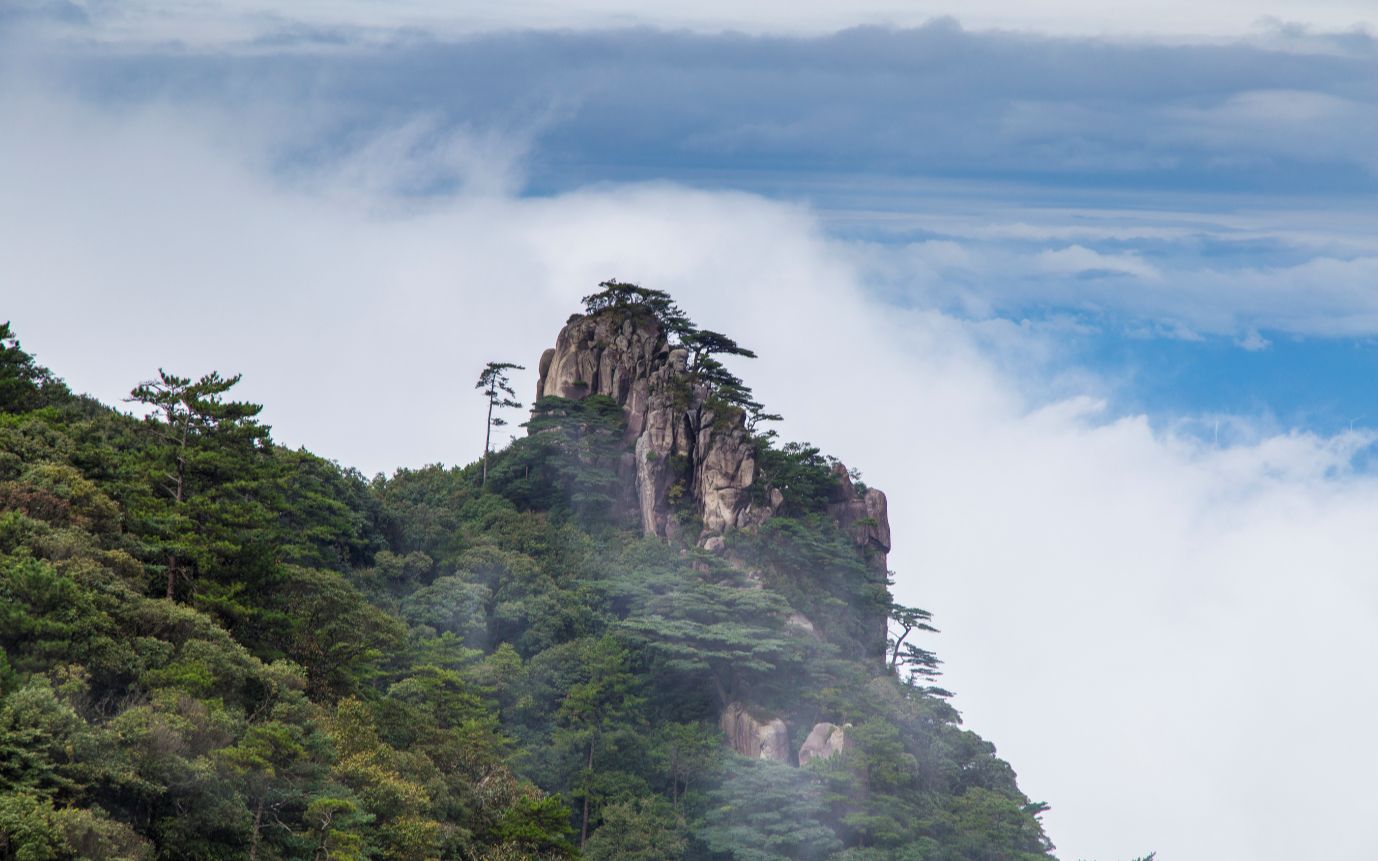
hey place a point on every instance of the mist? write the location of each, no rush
(1165, 635)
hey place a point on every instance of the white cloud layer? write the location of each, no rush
(1206, 189)
(1169, 640)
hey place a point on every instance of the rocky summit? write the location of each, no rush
(681, 440)
(684, 445)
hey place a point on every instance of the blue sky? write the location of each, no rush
(1093, 297)
(1202, 211)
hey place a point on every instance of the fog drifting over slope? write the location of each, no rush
(1166, 638)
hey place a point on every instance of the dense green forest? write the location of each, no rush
(215, 647)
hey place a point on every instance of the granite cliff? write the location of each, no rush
(689, 473)
(683, 440)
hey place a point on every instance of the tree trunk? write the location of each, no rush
(179, 490)
(588, 790)
(674, 779)
(487, 440)
(895, 652)
(258, 826)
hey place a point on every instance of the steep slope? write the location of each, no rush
(652, 634)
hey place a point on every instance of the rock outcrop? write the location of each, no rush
(825, 740)
(865, 516)
(605, 354)
(759, 739)
(681, 446)
(690, 459)
(800, 622)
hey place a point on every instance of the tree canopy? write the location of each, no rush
(703, 346)
(214, 647)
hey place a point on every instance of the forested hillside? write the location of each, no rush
(646, 630)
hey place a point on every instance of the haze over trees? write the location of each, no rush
(215, 647)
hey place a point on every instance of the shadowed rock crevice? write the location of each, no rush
(757, 737)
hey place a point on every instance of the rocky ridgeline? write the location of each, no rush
(676, 437)
(626, 357)
(669, 421)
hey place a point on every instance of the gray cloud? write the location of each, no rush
(1219, 185)
(935, 101)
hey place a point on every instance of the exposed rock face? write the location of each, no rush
(605, 354)
(825, 740)
(544, 368)
(724, 469)
(802, 623)
(680, 445)
(682, 449)
(865, 515)
(758, 739)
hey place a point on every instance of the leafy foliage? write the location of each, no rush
(799, 471)
(212, 647)
(24, 384)
(569, 463)
(620, 297)
(918, 664)
(769, 812)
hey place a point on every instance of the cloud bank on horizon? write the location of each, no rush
(922, 223)
(1183, 189)
(232, 20)
(1171, 206)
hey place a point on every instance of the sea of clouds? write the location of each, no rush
(1168, 638)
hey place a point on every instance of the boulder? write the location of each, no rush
(802, 623)
(825, 740)
(865, 516)
(758, 738)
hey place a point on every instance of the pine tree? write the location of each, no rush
(205, 443)
(498, 389)
(918, 663)
(24, 384)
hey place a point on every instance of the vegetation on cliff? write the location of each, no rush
(215, 647)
